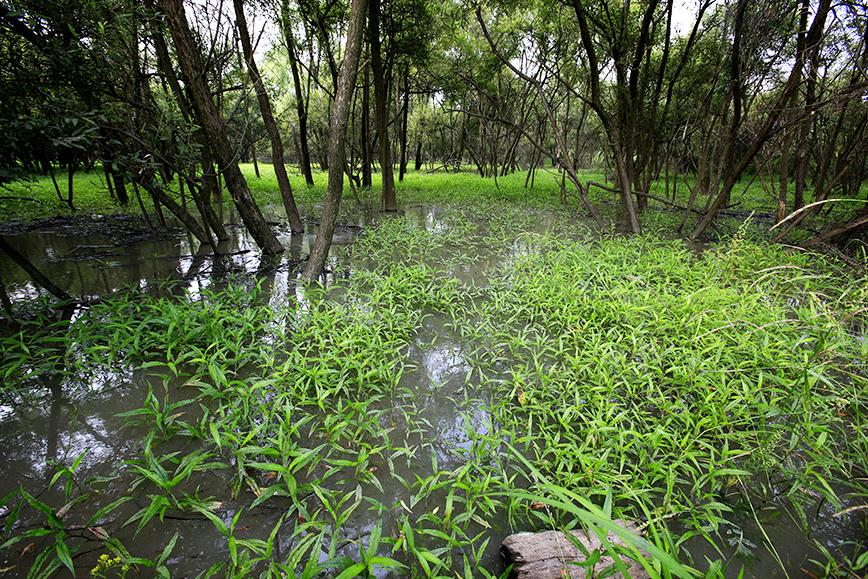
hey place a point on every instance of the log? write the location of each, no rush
(546, 555)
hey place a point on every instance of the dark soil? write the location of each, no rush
(119, 229)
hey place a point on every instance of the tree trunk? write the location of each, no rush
(800, 170)
(390, 202)
(208, 184)
(37, 275)
(337, 138)
(548, 555)
(209, 188)
(628, 212)
(784, 176)
(813, 37)
(270, 124)
(301, 108)
(418, 159)
(786, 143)
(367, 160)
(209, 119)
(402, 165)
(146, 180)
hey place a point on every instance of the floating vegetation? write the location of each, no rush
(589, 380)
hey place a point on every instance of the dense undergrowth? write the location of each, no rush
(605, 377)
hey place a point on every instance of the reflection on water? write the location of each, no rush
(51, 427)
(93, 260)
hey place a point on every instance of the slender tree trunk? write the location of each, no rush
(367, 160)
(209, 118)
(390, 202)
(802, 159)
(800, 171)
(71, 168)
(784, 176)
(209, 188)
(4, 298)
(146, 180)
(300, 102)
(270, 124)
(337, 139)
(252, 152)
(402, 165)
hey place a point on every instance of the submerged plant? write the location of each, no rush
(593, 380)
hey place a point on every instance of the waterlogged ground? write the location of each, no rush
(465, 374)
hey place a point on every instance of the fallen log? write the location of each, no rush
(547, 555)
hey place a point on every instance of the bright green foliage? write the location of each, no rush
(616, 377)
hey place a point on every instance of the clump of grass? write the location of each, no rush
(682, 385)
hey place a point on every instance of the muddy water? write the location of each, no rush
(56, 428)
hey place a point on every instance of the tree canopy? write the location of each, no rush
(643, 89)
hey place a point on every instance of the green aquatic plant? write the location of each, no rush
(595, 379)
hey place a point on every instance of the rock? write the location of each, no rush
(544, 555)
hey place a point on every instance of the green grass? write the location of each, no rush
(620, 377)
(24, 201)
(37, 199)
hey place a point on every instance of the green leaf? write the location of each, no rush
(301, 460)
(159, 504)
(351, 571)
(212, 427)
(374, 540)
(63, 554)
(861, 562)
(271, 491)
(26, 534)
(233, 550)
(384, 562)
(105, 510)
(167, 550)
(40, 506)
(340, 563)
(12, 517)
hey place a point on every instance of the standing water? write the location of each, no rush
(457, 373)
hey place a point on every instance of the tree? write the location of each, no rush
(813, 37)
(270, 124)
(286, 23)
(381, 108)
(337, 141)
(209, 117)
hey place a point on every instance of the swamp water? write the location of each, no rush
(422, 464)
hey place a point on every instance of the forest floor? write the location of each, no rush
(26, 201)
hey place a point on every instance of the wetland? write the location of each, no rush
(459, 374)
